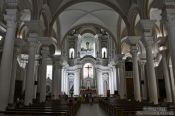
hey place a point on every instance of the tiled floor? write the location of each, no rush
(91, 110)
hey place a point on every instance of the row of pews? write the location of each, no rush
(118, 107)
(56, 108)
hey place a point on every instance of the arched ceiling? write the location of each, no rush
(88, 12)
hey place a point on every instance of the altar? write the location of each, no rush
(88, 91)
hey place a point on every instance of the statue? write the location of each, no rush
(87, 45)
(104, 55)
(71, 55)
(71, 91)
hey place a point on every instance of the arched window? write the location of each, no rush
(104, 52)
(71, 53)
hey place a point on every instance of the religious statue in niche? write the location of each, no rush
(71, 91)
(72, 55)
(87, 45)
(104, 55)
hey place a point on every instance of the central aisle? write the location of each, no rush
(91, 110)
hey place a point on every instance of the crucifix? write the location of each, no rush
(88, 67)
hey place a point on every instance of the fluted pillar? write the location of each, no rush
(13, 76)
(166, 77)
(147, 26)
(7, 57)
(30, 69)
(56, 83)
(45, 53)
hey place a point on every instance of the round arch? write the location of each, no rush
(96, 25)
(88, 59)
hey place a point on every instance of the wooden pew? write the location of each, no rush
(56, 108)
(120, 107)
(117, 107)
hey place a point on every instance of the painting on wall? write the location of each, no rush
(87, 45)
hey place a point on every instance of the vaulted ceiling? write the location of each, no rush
(119, 17)
(88, 13)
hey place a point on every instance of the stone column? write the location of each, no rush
(23, 74)
(7, 57)
(30, 69)
(172, 82)
(143, 78)
(169, 19)
(35, 79)
(39, 79)
(166, 77)
(45, 53)
(117, 77)
(147, 26)
(56, 83)
(133, 40)
(122, 88)
(136, 79)
(13, 76)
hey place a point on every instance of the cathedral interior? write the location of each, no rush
(59, 56)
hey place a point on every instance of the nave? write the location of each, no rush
(91, 110)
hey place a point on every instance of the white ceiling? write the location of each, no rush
(88, 12)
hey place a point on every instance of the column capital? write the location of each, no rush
(147, 26)
(148, 41)
(10, 17)
(45, 51)
(169, 16)
(11, 3)
(33, 42)
(142, 62)
(169, 3)
(34, 26)
(133, 40)
(134, 50)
